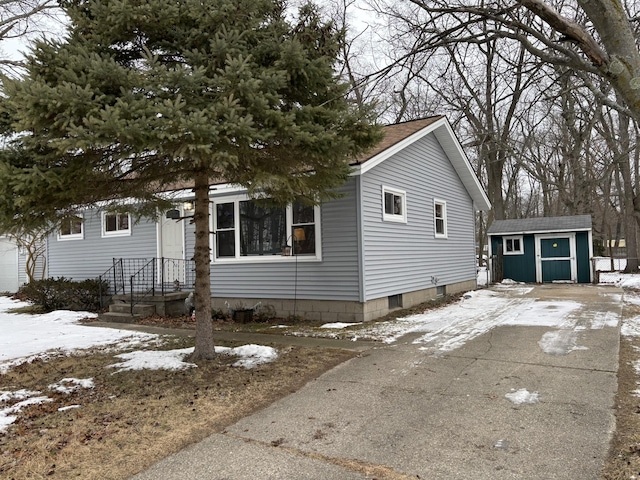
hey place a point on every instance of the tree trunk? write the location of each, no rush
(630, 226)
(202, 296)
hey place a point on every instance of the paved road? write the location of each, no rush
(517, 402)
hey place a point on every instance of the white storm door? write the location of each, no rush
(171, 249)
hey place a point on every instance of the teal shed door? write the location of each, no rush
(556, 259)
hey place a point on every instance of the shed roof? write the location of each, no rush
(541, 224)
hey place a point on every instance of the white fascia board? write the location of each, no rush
(452, 148)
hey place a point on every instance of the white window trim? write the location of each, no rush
(236, 199)
(444, 218)
(389, 217)
(514, 252)
(73, 236)
(116, 233)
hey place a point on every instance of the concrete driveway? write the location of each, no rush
(517, 402)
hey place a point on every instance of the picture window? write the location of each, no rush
(244, 228)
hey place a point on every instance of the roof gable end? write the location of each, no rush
(400, 136)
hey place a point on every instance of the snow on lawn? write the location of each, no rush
(26, 337)
(250, 356)
(26, 398)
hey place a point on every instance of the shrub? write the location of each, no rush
(64, 294)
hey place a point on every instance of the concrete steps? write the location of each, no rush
(116, 317)
(143, 310)
(171, 304)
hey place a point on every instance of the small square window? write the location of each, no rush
(115, 224)
(512, 245)
(394, 205)
(71, 228)
(440, 218)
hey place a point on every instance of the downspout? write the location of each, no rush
(590, 240)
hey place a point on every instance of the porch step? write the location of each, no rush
(142, 310)
(119, 317)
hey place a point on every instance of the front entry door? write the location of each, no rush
(171, 248)
(556, 259)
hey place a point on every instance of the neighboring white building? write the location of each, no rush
(9, 260)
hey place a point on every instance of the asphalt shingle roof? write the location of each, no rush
(541, 224)
(396, 133)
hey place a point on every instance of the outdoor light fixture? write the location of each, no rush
(188, 206)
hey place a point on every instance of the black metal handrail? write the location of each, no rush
(142, 283)
(143, 277)
(113, 279)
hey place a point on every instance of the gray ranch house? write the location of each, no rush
(403, 232)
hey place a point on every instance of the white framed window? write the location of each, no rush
(394, 205)
(250, 231)
(72, 228)
(440, 218)
(512, 245)
(116, 224)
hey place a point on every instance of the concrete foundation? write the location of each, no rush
(327, 311)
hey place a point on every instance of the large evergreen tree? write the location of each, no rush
(143, 94)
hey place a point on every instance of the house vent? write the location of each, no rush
(395, 301)
(441, 290)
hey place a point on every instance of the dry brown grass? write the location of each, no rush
(624, 455)
(130, 420)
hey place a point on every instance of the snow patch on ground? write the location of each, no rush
(560, 342)
(28, 337)
(250, 355)
(7, 414)
(339, 325)
(153, 360)
(69, 385)
(523, 396)
(30, 397)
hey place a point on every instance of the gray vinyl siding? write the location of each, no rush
(93, 255)
(401, 257)
(335, 277)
